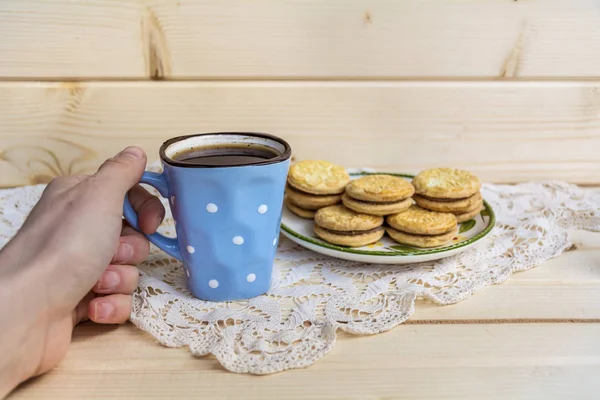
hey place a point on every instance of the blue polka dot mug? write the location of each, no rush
(226, 192)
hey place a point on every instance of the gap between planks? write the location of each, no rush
(354, 79)
(497, 321)
(302, 81)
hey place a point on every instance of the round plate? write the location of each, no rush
(386, 250)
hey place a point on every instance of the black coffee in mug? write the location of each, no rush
(225, 155)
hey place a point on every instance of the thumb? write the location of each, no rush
(123, 171)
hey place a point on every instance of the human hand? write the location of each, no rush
(73, 259)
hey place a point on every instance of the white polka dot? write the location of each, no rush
(213, 283)
(172, 199)
(238, 240)
(212, 208)
(187, 272)
(191, 249)
(275, 242)
(262, 209)
(251, 278)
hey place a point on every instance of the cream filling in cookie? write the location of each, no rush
(351, 233)
(376, 203)
(295, 189)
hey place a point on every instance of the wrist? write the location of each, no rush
(19, 314)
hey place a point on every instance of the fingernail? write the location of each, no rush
(109, 280)
(124, 252)
(133, 152)
(103, 310)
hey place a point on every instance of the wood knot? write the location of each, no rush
(154, 45)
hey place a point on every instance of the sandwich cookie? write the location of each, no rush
(318, 177)
(422, 228)
(467, 215)
(423, 241)
(342, 226)
(312, 185)
(309, 201)
(378, 194)
(299, 211)
(446, 184)
(449, 190)
(458, 206)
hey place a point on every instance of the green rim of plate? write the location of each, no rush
(398, 253)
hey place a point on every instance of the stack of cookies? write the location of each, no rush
(449, 190)
(312, 185)
(378, 195)
(444, 198)
(422, 228)
(339, 225)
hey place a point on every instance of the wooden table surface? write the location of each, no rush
(392, 85)
(535, 336)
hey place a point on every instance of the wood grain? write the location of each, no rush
(507, 89)
(431, 361)
(473, 360)
(502, 131)
(561, 289)
(412, 362)
(288, 39)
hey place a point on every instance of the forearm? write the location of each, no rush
(19, 314)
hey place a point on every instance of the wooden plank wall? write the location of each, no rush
(509, 89)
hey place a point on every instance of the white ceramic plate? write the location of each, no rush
(387, 251)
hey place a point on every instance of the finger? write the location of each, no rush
(112, 309)
(149, 209)
(80, 313)
(63, 183)
(117, 279)
(133, 247)
(123, 171)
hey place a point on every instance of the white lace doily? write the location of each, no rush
(313, 296)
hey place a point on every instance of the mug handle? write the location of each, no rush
(168, 245)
